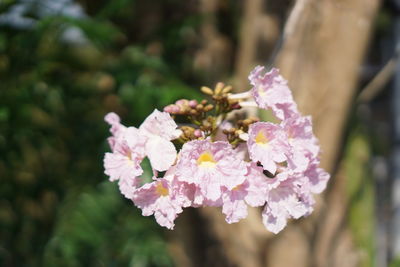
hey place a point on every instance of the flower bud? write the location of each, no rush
(218, 88)
(207, 90)
(182, 102)
(200, 107)
(198, 133)
(173, 109)
(227, 89)
(208, 107)
(193, 103)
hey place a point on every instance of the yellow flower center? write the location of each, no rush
(261, 90)
(206, 160)
(129, 157)
(261, 139)
(236, 187)
(161, 190)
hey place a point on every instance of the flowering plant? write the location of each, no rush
(222, 160)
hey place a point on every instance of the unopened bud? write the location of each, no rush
(182, 102)
(217, 97)
(203, 102)
(173, 109)
(227, 89)
(218, 88)
(207, 90)
(198, 133)
(193, 103)
(200, 107)
(208, 107)
(247, 122)
(168, 109)
(206, 124)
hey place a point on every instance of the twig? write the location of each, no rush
(377, 84)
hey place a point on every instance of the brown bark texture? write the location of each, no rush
(323, 46)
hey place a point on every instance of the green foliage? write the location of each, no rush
(55, 209)
(360, 192)
(98, 227)
(395, 263)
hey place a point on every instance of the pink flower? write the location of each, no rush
(158, 198)
(234, 206)
(317, 177)
(288, 199)
(122, 166)
(275, 166)
(128, 151)
(159, 128)
(300, 135)
(267, 144)
(271, 91)
(303, 144)
(252, 191)
(210, 166)
(258, 185)
(117, 129)
(115, 122)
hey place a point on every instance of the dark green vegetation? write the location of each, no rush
(59, 76)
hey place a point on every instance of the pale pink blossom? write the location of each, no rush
(160, 124)
(303, 144)
(183, 192)
(274, 221)
(270, 90)
(275, 166)
(234, 206)
(300, 135)
(288, 199)
(121, 166)
(267, 144)
(317, 177)
(210, 166)
(158, 198)
(159, 129)
(253, 191)
(114, 120)
(258, 185)
(117, 129)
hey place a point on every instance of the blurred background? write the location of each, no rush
(65, 63)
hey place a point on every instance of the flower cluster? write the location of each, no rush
(221, 162)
